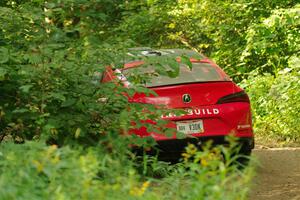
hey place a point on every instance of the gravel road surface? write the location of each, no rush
(278, 176)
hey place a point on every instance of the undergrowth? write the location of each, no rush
(36, 171)
(275, 103)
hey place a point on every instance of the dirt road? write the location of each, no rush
(278, 176)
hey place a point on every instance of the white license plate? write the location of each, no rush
(190, 127)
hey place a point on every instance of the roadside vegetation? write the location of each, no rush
(36, 171)
(70, 142)
(275, 103)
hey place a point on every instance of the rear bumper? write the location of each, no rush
(179, 145)
(172, 149)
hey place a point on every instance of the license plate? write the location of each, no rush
(190, 127)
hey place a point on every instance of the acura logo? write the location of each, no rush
(186, 98)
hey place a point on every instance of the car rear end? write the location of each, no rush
(214, 107)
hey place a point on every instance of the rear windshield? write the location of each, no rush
(201, 72)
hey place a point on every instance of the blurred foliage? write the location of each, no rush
(48, 172)
(234, 33)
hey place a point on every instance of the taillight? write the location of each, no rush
(236, 97)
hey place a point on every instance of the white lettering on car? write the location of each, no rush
(216, 111)
(197, 111)
(190, 112)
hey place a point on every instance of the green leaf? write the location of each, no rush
(131, 92)
(3, 73)
(21, 110)
(4, 55)
(161, 70)
(77, 132)
(26, 88)
(169, 132)
(68, 102)
(58, 96)
(34, 58)
(180, 135)
(173, 74)
(124, 119)
(186, 60)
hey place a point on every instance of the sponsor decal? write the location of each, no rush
(243, 126)
(196, 111)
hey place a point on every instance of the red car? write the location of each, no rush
(215, 106)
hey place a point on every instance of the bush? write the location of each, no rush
(275, 103)
(273, 41)
(36, 171)
(48, 89)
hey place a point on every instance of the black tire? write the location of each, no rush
(244, 156)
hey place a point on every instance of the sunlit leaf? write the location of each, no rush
(186, 60)
(4, 55)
